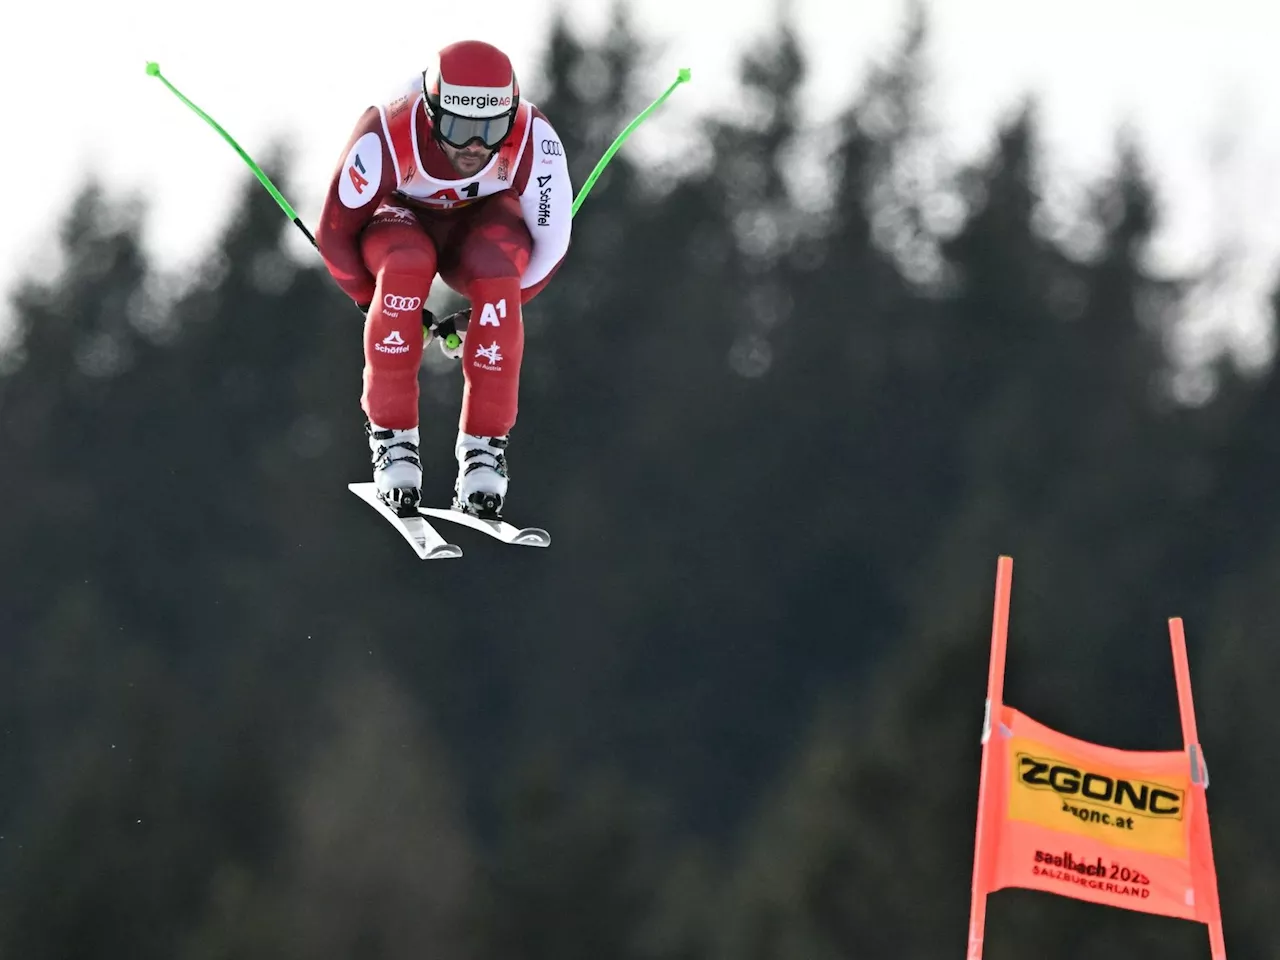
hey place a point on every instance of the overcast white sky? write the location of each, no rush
(1196, 76)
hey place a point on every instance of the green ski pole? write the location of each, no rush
(153, 70)
(682, 77)
(452, 340)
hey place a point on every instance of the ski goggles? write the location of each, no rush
(459, 131)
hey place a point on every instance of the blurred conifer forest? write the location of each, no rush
(733, 713)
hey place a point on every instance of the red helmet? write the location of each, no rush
(472, 94)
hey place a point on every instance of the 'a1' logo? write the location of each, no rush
(358, 180)
(362, 169)
(444, 198)
(490, 316)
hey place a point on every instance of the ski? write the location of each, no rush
(498, 529)
(424, 539)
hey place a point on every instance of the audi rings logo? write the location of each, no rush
(552, 148)
(392, 302)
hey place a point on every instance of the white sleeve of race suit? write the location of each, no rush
(547, 202)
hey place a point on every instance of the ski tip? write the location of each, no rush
(445, 551)
(533, 537)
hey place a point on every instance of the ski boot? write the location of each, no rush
(481, 486)
(397, 471)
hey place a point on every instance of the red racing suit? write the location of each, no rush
(397, 214)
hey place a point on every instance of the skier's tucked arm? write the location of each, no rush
(365, 175)
(546, 199)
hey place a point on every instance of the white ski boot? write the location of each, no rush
(481, 486)
(397, 470)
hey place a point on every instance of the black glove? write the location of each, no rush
(455, 322)
(451, 331)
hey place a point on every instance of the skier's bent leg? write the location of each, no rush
(403, 260)
(492, 258)
(491, 367)
(490, 263)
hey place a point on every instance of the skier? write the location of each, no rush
(457, 176)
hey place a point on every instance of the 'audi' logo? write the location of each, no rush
(392, 302)
(552, 148)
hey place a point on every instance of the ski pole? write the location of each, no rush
(451, 339)
(682, 77)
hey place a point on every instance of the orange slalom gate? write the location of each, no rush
(1121, 828)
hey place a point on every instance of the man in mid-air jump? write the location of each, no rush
(456, 177)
